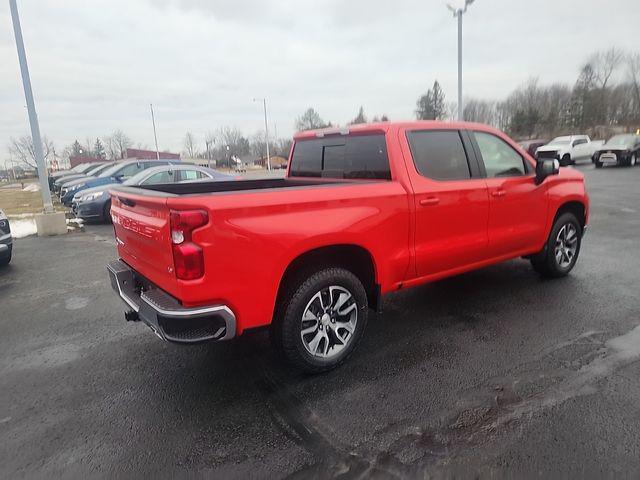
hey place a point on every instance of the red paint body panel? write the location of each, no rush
(415, 229)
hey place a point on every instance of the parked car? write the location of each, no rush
(530, 146)
(95, 203)
(73, 185)
(363, 211)
(60, 181)
(567, 149)
(117, 173)
(619, 150)
(6, 242)
(53, 176)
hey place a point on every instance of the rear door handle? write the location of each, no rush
(425, 202)
(498, 193)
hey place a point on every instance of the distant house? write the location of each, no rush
(138, 154)
(275, 161)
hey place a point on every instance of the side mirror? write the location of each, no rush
(545, 168)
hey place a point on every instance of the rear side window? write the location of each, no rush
(439, 154)
(361, 156)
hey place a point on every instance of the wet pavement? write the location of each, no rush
(495, 373)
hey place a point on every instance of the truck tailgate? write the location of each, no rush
(143, 236)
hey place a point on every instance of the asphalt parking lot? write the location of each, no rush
(495, 373)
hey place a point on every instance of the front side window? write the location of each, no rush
(357, 156)
(439, 154)
(500, 160)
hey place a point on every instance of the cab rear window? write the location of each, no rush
(361, 156)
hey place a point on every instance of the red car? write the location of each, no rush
(363, 211)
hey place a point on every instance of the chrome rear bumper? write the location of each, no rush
(168, 319)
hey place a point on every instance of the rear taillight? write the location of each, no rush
(188, 258)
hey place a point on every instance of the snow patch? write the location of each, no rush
(23, 227)
(32, 187)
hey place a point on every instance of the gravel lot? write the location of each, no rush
(496, 373)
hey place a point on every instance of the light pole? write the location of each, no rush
(457, 13)
(266, 129)
(155, 136)
(31, 109)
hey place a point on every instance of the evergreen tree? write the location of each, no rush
(98, 150)
(431, 106)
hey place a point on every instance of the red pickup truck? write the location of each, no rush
(363, 211)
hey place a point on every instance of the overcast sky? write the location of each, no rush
(96, 66)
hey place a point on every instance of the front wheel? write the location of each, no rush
(566, 160)
(323, 321)
(560, 254)
(106, 212)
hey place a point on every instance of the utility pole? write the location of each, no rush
(266, 129)
(155, 136)
(457, 13)
(31, 109)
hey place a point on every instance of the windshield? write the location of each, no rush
(560, 141)
(621, 140)
(95, 169)
(109, 172)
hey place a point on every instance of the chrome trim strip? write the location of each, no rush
(5, 236)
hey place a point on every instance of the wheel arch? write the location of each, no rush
(576, 207)
(355, 258)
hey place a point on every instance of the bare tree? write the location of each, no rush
(23, 150)
(310, 120)
(604, 64)
(116, 145)
(190, 145)
(633, 73)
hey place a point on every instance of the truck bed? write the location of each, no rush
(196, 188)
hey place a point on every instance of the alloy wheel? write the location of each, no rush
(329, 321)
(566, 245)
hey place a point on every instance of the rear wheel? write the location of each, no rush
(561, 252)
(598, 164)
(323, 321)
(633, 161)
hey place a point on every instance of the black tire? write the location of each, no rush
(598, 164)
(546, 262)
(106, 212)
(286, 330)
(4, 261)
(566, 160)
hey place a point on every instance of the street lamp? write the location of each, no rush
(457, 13)
(266, 129)
(31, 109)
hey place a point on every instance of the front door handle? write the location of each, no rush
(426, 202)
(498, 193)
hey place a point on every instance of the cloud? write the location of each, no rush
(97, 65)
